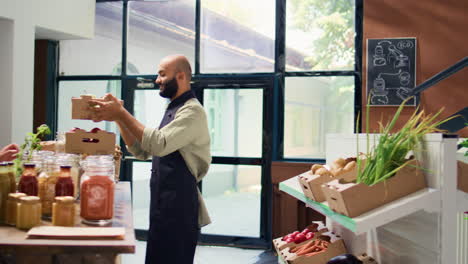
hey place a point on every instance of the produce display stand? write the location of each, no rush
(16, 248)
(418, 228)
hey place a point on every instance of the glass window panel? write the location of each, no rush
(149, 107)
(235, 121)
(315, 106)
(141, 194)
(100, 55)
(157, 29)
(237, 36)
(69, 89)
(232, 196)
(320, 35)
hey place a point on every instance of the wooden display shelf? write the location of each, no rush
(423, 199)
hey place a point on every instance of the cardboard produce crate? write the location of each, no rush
(48, 145)
(317, 227)
(82, 142)
(311, 184)
(352, 199)
(462, 175)
(81, 108)
(336, 247)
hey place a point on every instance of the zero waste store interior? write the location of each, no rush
(241, 80)
(275, 77)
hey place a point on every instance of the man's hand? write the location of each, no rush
(109, 109)
(9, 152)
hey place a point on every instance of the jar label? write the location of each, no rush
(97, 198)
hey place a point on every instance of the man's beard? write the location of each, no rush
(170, 89)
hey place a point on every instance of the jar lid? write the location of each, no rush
(29, 165)
(65, 167)
(65, 199)
(3, 164)
(30, 199)
(11, 163)
(15, 196)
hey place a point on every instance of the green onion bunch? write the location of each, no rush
(390, 153)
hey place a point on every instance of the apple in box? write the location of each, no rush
(299, 237)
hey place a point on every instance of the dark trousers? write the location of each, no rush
(171, 244)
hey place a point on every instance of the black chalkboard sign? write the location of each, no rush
(391, 70)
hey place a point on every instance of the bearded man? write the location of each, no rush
(180, 150)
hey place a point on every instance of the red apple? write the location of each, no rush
(300, 238)
(310, 235)
(95, 130)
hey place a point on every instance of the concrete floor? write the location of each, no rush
(211, 255)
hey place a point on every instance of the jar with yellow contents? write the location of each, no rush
(28, 213)
(11, 175)
(46, 181)
(4, 189)
(63, 211)
(12, 206)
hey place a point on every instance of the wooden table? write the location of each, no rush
(16, 248)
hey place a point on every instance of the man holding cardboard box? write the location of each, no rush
(181, 156)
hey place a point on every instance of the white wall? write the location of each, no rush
(6, 72)
(27, 20)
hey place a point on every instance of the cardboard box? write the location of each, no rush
(336, 247)
(82, 142)
(462, 175)
(81, 108)
(311, 184)
(48, 145)
(352, 199)
(317, 227)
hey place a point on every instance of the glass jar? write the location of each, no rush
(72, 160)
(28, 212)
(11, 206)
(28, 181)
(60, 142)
(47, 180)
(11, 175)
(97, 194)
(34, 158)
(63, 211)
(4, 189)
(103, 159)
(64, 185)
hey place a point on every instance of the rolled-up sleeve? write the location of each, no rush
(137, 151)
(185, 127)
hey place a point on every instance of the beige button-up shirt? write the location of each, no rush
(187, 133)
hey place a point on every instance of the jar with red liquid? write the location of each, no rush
(28, 181)
(64, 185)
(97, 193)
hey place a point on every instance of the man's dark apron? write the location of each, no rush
(173, 231)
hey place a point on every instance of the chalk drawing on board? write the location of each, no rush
(391, 70)
(379, 54)
(380, 89)
(405, 44)
(399, 59)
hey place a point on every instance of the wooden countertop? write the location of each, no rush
(14, 241)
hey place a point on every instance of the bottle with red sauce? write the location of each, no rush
(97, 193)
(28, 181)
(64, 185)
